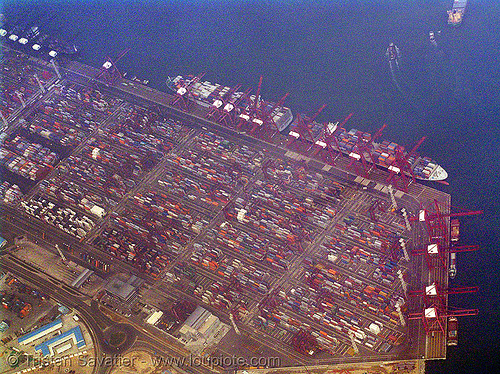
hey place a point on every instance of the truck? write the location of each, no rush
(453, 265)
(25, 310)
(455, 230)
(452, 331)
(4, 325)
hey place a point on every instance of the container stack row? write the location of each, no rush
(151, 231)
(77, 196)
(10, 193)
(66, 118)
(422, 166)
(22, 166)
(57, 215)
(214, 260)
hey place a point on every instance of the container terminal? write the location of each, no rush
(306, 251)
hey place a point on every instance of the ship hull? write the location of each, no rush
(382, 154)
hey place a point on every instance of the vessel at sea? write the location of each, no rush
(455, 230)
(380, 154)
(452, 331)
(432, 38)
(393, 53)
(456, 14)
(453, 265)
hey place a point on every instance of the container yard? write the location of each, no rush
(310, 258)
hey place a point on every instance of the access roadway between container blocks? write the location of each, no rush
(292, 283)
(185, 116)
(24, 111)
(146, 179)
(151, 174)
(279, 283)
(214, 221)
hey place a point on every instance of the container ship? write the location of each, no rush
(452, 331)
(32, 40)
(383, 154)
(456, 14)
(206, 93)
(455, 230)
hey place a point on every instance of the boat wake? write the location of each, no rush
(394, 68)
(394, 58)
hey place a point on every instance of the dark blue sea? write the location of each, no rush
(333, 52)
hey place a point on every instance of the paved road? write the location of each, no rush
(100, 326)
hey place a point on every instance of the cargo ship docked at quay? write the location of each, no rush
(381, 154)
(456, 14)
(206, 94)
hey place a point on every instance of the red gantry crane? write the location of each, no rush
(184, 96)
(435, 312)
(327, 146)
(435, 254)
(400, 171)
(376, 205)
(264, 126)
(247, 115)
(301, 136)
(438, 232)
(216, 109)
(258, 117)
(109, 71)
(434, 317)
(433, 294)
(361, 150)
(232, 108)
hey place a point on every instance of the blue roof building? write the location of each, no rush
(75, 334)
(40, 332)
